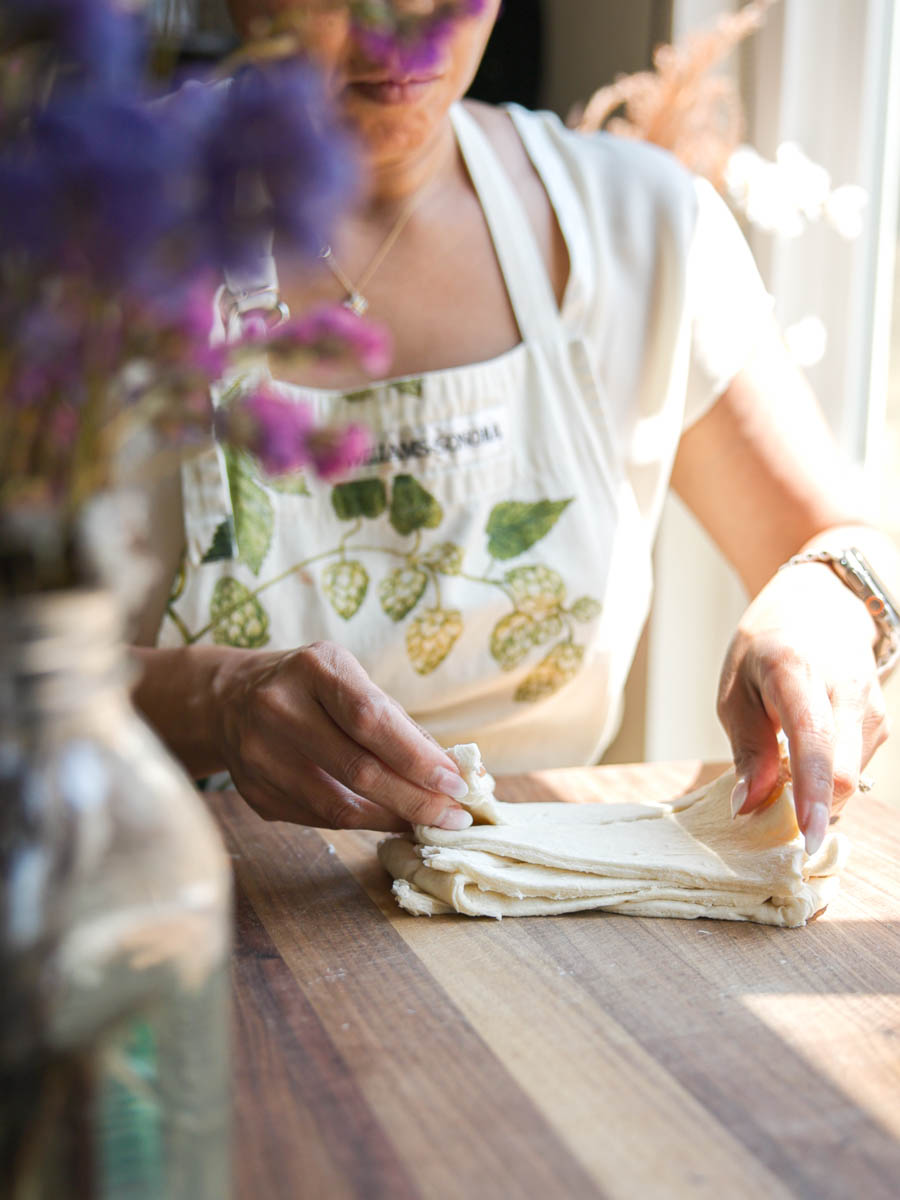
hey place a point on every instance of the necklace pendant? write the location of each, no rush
(356, 302)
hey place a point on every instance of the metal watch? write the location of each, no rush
(853, 568)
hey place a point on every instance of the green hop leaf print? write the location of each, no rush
(586, 608)
(362, 498)
(410, 387)
(403, 387)
(514, 526)
(554, 670)
(237, 617)
(547, 628)
(430, 638)
(401, 591)
(345, 584)
(293, 484)
(412, 507)
(254, 517)
(511, 639)
(360, 396)
(536, 590)
(221, 548)
(445, 557)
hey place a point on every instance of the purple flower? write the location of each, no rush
(64, 427)
(26, 199)
(333, 450)
(117, 217)
(196, 312)
(275, 160)
(101, 38)
(331, 332)
(94, 185)
(177, 325)
(274, 429)
(143, 197)
(281, 434)
(48, 346)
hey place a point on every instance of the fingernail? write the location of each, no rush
(816, 826)
(454, 818)
(448, 783)
(739, 795)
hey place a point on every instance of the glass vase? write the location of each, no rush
(114, 928)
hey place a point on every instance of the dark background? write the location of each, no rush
(511, 67)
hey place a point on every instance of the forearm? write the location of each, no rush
(764, 476)
(180, 695)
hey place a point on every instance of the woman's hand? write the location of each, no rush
(309, 738)
(802, 660)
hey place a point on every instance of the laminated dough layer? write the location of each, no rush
(687, 859)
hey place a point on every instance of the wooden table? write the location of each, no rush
(383, 1055)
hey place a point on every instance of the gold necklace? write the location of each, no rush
(354, 299)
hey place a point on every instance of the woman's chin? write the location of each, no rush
(392, 131)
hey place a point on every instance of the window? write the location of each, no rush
(824, 74)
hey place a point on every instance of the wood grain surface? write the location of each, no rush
(378, 1054)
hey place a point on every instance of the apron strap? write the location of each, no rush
(585, 281)
(521, 261)
(253, 289)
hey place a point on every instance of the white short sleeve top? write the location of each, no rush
(490, 564)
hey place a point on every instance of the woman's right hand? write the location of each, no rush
(309, 738)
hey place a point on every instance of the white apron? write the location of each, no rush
(489, 567)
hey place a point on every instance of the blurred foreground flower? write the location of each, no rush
(274, 160)
(280, 432)
(118, 217)
(328, 333)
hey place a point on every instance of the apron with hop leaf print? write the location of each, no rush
(488, 566)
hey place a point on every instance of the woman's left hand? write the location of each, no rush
(801, 660)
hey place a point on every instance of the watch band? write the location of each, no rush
(853, 568)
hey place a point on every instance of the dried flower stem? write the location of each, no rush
(676, 106)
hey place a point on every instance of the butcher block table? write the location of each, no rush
(378, 1054)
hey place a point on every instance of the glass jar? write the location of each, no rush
(114, 928)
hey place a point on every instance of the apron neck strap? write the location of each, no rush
(520, 258)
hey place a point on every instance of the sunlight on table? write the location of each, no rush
(868, 1078)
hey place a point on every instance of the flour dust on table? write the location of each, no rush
(688, 858)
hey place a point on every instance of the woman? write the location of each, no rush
(576, 322)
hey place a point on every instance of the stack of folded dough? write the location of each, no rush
(685, 859)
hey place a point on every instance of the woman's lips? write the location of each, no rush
(391, 91)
